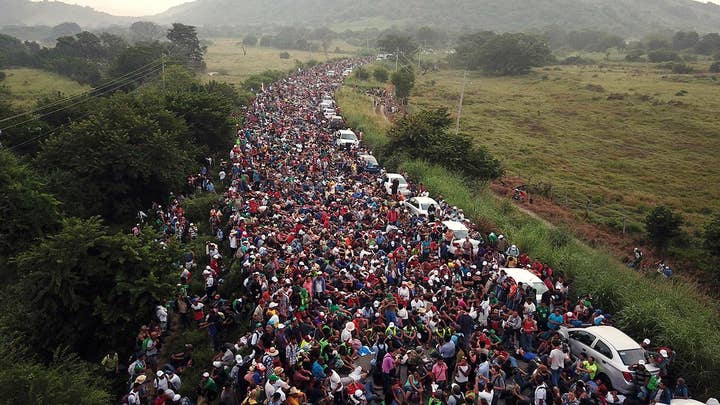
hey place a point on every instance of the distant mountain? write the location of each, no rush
(626, 17)
(630, 18)
(25, 12)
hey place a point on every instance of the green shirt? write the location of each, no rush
(210, 385)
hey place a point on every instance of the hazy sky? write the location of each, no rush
(146, 7)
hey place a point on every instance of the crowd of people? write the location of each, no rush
(347, 298)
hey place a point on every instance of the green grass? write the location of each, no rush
(225, 57)
(670, 312)
(28, 85)
(557, 126)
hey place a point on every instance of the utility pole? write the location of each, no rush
(462, 95)
(163, 71)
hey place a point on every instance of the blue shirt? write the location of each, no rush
(556, 318)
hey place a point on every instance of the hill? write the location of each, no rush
(626, 17)
(25, 12)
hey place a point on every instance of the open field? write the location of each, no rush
(625, 136)
(225, 56)
(27, 85)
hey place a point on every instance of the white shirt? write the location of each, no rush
(161, 313)
(541, 394)
(557, 359)
(529, 308)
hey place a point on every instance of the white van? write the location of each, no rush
(521, 275)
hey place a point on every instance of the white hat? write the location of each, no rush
(238, 358)
(391, 325)
(206, 374)
(217, 364)
(274, 279)
(642, 362)
(176, 398)
(273, 304)
(159, 373)
(281, 326)
(350, 326)
(646, 341)
(664, 353)
(500, 237)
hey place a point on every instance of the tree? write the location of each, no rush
(467, 52)
(424, 135)
(66, 379)
(397, 43)
(403, 80)
(28, 211)
(128, 152)
(64, 29)
(662, 55)
(361, 73)
(684, 40)
(185, 46)
(711, 236)
(85, 288)
(708, 44)
(250, 40)
(146, 31)
(137, 59)
(381, 74)
(510, 54)
(662, 224)
(428, 36)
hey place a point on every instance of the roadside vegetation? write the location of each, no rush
(671, 311)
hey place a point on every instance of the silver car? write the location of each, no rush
(614, 353)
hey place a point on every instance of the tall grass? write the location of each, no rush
(670, 312)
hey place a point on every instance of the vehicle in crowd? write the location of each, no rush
(369, 164)
(387, 181)
(420, 205)
(614, 352)
(460, 232)
(330, 73)
(328, 113)
(347, 72)
(520, 275)
(326, 104)
(689, 401)
(347, 138)
(336, 122)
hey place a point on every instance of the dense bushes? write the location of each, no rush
(424, 135)
(505, 54)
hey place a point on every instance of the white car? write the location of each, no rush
(347, 138)
(420, 205)
(347, 72)
(614, 353)
(460, 232)
(526, 277)
(387, 181)
(329, 113)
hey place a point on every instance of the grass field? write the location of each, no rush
(625, 136)
(225, 57)
(27, 85)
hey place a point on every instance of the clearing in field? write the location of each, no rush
(624, 137)
(228, 63)
(28, 85)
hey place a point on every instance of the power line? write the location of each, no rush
(87, 98)
(28, 141)
(84, 94)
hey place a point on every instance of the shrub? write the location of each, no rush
(635, 56)
(715, 67)
(284, 55)
(361, 73)
(662, 55)
(711, 236)
(662, 224)
(381, 74)
(681, 68)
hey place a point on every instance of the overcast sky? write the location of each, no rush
(145, 7)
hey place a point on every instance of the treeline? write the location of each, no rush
(505, 54)
(75, 170)
(654, 48)
(93, 58)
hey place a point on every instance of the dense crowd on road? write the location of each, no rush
(348, 298)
